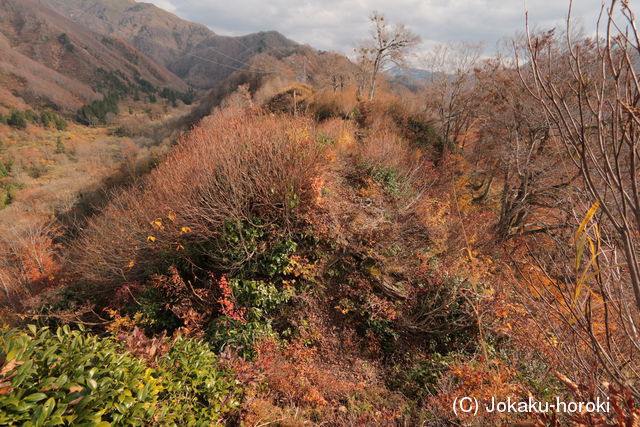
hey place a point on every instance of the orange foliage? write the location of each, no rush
(229, 308)
(480, 380)
(28, 261)
(294, 375)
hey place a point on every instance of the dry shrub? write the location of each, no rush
(393, 161)
(241, 98)
(293, 99)
(327, 104)
(272, 86)
(624, 410)
(384, 109)
(482, 381)
(193, 306)
(236, 169)
(295, 377)
(28, 261)
(383, 147)
(134, 125)
(143, 347)
(340, 138)
(301, 389)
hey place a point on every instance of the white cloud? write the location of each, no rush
(337, 24)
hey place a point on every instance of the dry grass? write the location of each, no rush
(59, 177)
(50, 181)
(326, 104)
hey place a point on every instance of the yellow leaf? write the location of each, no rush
(186, 229)
(151, 239)
(588, 217)
(579, 237)
(131, 264)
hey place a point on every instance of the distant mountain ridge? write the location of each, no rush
(63, 54)
(54, 61)
(191, 51)
(414, 73)
(410, 78)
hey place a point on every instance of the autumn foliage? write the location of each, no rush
(350, 262)
(28, 262)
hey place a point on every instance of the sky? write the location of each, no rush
(337, 25)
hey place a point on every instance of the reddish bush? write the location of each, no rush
(28, 261)
(193, 306)
(226, 300)
(296, 378)
(144, 347)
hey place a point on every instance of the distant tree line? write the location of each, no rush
(97, 111)
(115, 86)
(173, 96)
(21, 119)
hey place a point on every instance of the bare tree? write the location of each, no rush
(334, 71)
(389, 44)
(597, 116)
(589, 90)
(449, 88)
(515, 149)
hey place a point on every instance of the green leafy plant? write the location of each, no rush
(198, 389)
(273, 263)
(152, 305)
(8, 195)
(71, 377)
(49, 118)
(31, 116)
(259, 300)
(238, 243)
(5, 169)
(60, 123)
(389, 178)
(420, 379)
(97, 111)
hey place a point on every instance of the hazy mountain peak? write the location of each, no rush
(190, 50)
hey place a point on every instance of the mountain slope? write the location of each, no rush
(24, 81)
(192, 51)
(58, 61)
(159, 34)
